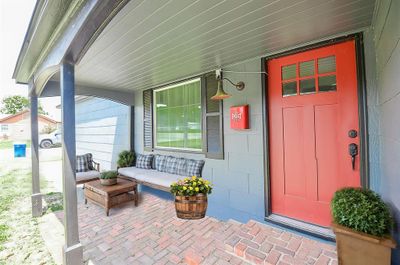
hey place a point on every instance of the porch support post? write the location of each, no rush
(36, 195)
(73, 251)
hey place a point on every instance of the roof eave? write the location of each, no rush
(44, 23)
(27, 40)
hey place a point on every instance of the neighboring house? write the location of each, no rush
(17, 126)
(321, 78)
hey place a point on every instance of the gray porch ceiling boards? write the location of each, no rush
(153, 42)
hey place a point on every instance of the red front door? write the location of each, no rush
(313, 105)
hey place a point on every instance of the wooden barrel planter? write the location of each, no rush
(191, 207)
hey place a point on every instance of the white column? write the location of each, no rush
(73, 251)
(36, 195)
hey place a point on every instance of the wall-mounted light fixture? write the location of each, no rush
(221, 94)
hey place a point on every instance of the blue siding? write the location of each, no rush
(102, 128)
(385, 173)
(239, 178)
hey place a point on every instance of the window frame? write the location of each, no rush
(154, 105)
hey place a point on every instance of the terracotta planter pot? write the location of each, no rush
(356, 248)
(108, 182)
(191, 207)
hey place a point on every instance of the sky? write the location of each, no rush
(14, 20)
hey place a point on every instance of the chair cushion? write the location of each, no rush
(88, 175)
(151, 176)
(89, 159)
(144, 161)
(84, 162)
(194, 167)
(81, 164)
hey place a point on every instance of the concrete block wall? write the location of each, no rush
(239, 178)
(386, 39)
(103, 129)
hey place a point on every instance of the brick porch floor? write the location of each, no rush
(151, 234)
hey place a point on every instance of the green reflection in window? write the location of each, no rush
(178, 116)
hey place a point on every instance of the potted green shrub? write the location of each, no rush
(191, 197)
(108, 178)
(362, 225)
(126, 159)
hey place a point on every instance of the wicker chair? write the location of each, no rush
(83, 177)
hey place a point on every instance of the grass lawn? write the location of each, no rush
(20, 239)
(7, 144)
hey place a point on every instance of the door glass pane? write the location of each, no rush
(307, 68)
(327, 65)
(289, 72)
(289, 89)
(327, 83)
(307, 86)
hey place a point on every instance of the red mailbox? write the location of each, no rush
(240, 117)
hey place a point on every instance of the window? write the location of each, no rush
(181, 117)
(301, 78)
(4, 127)
(178, 116)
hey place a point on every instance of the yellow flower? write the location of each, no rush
(194, 183)
(184, 188)
(190, 188)
(194, 177)
(196, 189)
(186, 178)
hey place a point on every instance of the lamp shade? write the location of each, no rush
(221, 94)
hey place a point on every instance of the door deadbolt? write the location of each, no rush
(352, 133)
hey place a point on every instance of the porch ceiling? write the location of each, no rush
(152, 42)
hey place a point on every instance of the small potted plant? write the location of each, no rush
(362, 225)
(191, 197)
(108, 178)
(126, 159)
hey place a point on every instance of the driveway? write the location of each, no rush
(50, 164)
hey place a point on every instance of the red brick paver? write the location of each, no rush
(151, 234)
(278, 246)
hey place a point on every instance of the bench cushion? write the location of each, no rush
(150, 175)
(182, 166)
(194, 167)
(160, 162)
(171, 165)
(144, 161)
(86, 176)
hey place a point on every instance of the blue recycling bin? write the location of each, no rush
(19, 150)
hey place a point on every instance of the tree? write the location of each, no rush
(15, 104)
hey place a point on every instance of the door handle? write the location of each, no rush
(353, 152)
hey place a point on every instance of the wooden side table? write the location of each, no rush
(111, 196)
